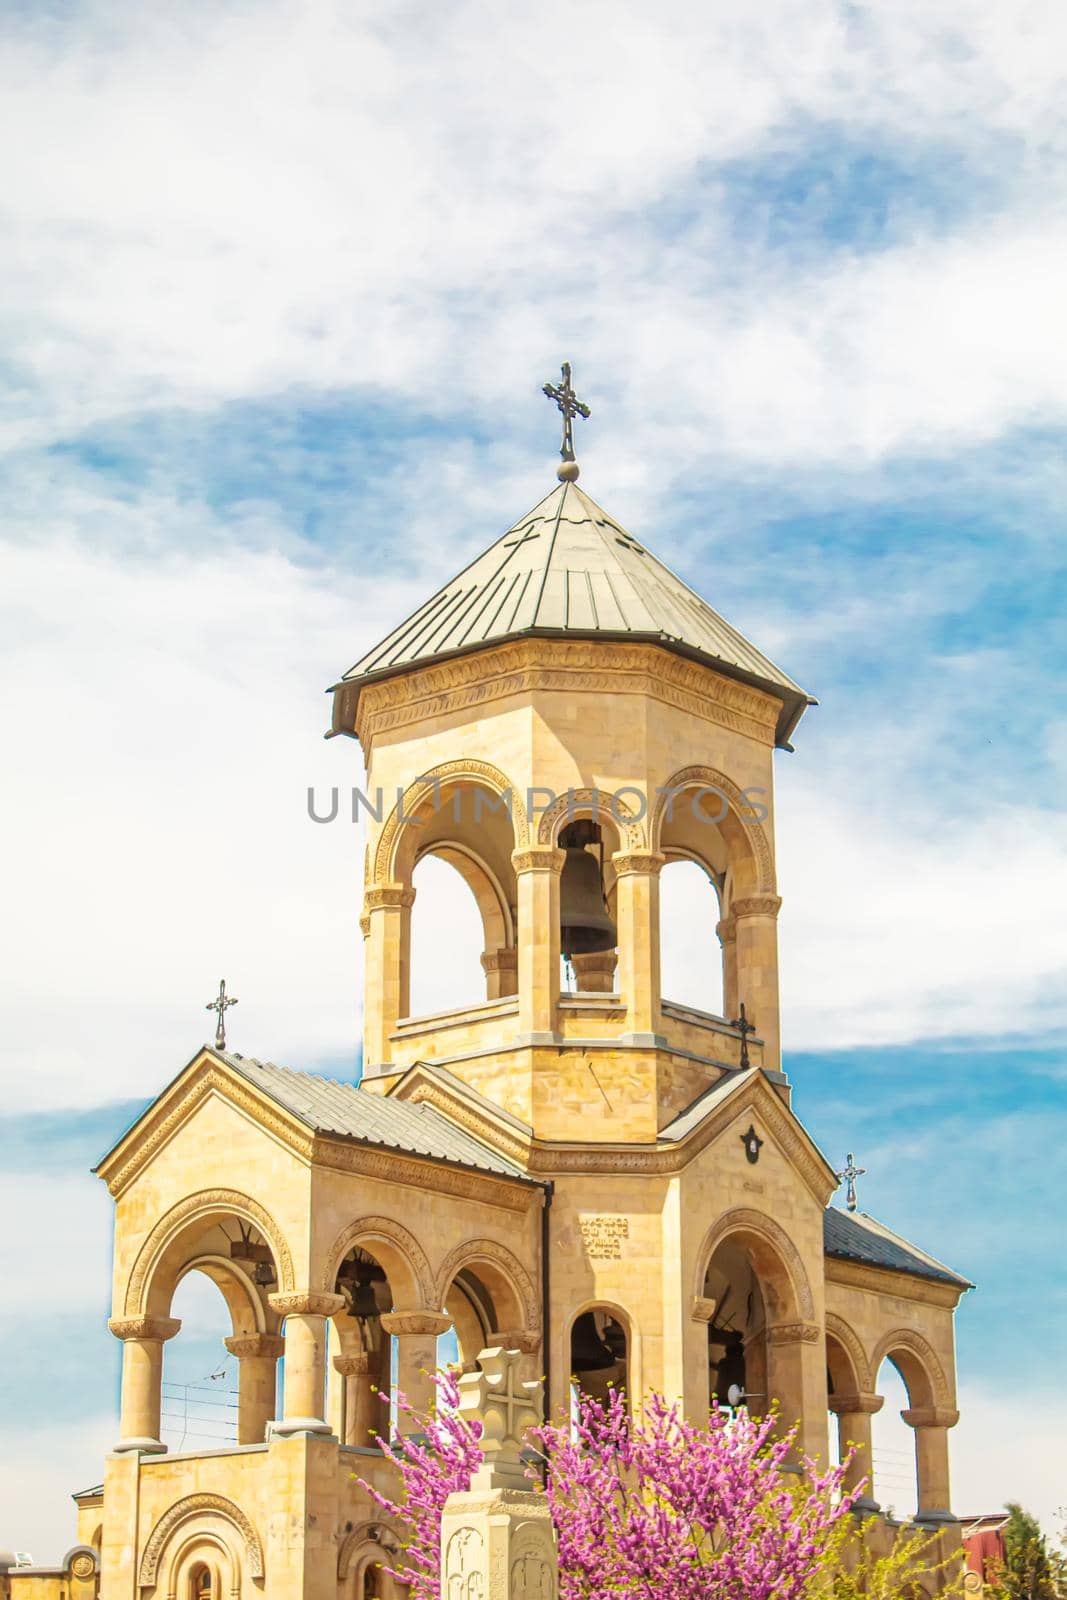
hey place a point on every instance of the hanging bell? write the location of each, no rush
(589, 1352)
(264, 1274)
(584, 924)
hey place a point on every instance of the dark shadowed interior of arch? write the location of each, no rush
(368, 1294)
(599, 1355)
(199, 1373)
(690, 953)
(737, 1345)
(447, 940)
(893, 1444)
(470, 1304)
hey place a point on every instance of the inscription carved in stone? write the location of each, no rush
(603, 1236)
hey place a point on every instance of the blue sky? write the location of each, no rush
(280, 289)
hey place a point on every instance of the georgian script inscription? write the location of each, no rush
(603, 1236)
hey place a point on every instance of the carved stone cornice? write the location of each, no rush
(931, 1417)
(853, 1405)
(898, 1285)
(756, 905)
(420, 1322)
(629, 862)
(161, 1328)
(794, 1333)
(576, 667)
(307, 1305)
(394, 1167)
(420, 1088)
(388, 896)
(255, 1345)
(538, 858)
(357, 1366)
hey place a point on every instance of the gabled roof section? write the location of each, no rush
(855, 1236)
(567, 569)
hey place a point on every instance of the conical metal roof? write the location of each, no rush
(569, 570)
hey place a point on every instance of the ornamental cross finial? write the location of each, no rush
(220, 1005)
(506, 1407)
(571, 407)
(744, 1028)
(849, 1176)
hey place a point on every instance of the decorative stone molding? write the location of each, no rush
(420, 1088)
(307, 1305)
(365, 1232)
(930, 1417)
(743, 1220)
(838, 1329)
(753, 832)
(480, 772)
(907, 1340)
(627, 862)
(161, 1328)
(756, 905)
(195, 1505)
(422, 1322)
(425, 1174)
(474, 1250)
(390, 896)
(894, 1284)
(255, 1345)
(701, 1309)
(374, 1534)
(855, 1404)
(794, 1333)
(538, 858)
(364, 925)
(506, 960)
(82, 1562)
(357, 1366)
(726, 930)
(527, 1341)
(577, 801)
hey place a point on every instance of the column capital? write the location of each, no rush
(856, 1404)
(357, 1366)
(255, 1344)
(504, 960)
(424, 1322)
(526, 1340)
(388, 895)
(702, 1309)
(538, 858)
(794, 1333)
(726, 929)
(930, 1417)
(756, 905)
(648, 862)
(161, 1328)
(306, 1305)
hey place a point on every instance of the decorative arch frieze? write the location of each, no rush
(746, 829)
(620, 814)
(481, 772)
(508, 1265)
(204, 1203)
(846, 1336)
(195, 1505)
(743, 1220)
(383, 1230)
(912, 1345)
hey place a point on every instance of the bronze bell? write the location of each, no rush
(584, 924)
(589, 1352)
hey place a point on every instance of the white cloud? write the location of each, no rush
(40, 1468)
(1008, 1445)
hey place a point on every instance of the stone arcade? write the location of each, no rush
(593, 1178)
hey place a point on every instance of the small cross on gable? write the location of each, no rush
(506, 1406)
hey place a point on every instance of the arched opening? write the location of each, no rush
(370, 1587)
(737, 1330)
(447, 939)
(893, 1443)
(200, 1387)
(599, 1353)
(361, 1355)
(589, 835)
(202, 1583)
(691, 962)
(490, 1300)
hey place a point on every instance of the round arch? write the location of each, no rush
(774, 1256)
(213, 1508)
(398, 1251)
(751, 860)
(514, 1296)
(191, 1557)
(175, 1229)
(395, 832)
(846, 1359)
(619, 816)
(917, 1362)
(626, 1320)
(245, 1306)
(497, 922)
(363, 1540)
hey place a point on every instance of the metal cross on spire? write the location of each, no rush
(220, 1005)
(849, 1176)
(744, 1028)
(571, 407)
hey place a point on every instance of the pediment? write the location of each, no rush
(425, 1084)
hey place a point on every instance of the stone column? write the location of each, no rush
(143, 1339)
(756, 920)
(931, 1424)
(637, 915)
(257, 1382)
(496, 1539)
(416, 1334)
(726, 928)
(387, 972)
(359, 1404)
(796, 1378)
(595, 973)
(538, 870)
(305, 1360)
(501, 968)
(854, 1413)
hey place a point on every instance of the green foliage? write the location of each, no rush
(912, 1569)
(1031, 1570)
